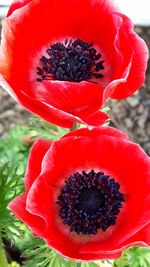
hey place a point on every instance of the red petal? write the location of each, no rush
(41, 201)
(135, 75)
(65, 152)
(127, 163)
(98, 131)
(38, 150)
(71, 250)
(35, 223)
(96, 119)
(141, 238)
(17, 4)
(75, 97)
(50, 113)
(47, 112)
(79, 99)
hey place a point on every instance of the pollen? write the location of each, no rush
(72, 61)
(89, 202)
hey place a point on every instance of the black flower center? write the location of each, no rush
(72, 61)
(90, 201)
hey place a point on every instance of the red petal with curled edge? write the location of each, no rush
(50, 113)
(133, 48)
(79, 99)
(97, 131)
(73, 251)
(39, 149)
(41, 201)
(96, 119)
(35, 223)
(16, 4)
(63, 118)
(141, 238)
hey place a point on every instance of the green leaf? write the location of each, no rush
(134, 257)
(43, 129)
(52, 263)
(13, 149)
(11, 184)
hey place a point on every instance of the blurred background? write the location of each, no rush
(131, 115)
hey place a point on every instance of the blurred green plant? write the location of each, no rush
(134, 257)
(15, 145)
(39, 255)
(12, 148)
(11, 185)
(42, 129)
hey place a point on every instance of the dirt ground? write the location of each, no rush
(131, 115)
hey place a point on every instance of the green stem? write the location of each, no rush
(3, 260)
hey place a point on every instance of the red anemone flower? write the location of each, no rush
(63, 59)
(87, 194)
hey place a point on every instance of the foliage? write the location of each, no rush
(11, 185)
(43, 129)
(134, 257)
(15, 145)
(36, 253)
(13, 149)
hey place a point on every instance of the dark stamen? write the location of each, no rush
(90, 201)
(73, 61)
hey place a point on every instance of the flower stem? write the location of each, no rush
(3, 260)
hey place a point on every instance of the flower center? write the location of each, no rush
(72, 61)
(90, 201)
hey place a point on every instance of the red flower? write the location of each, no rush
(87, 194)
(63, 59)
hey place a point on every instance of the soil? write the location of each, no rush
(10, 113)
(131, 115)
